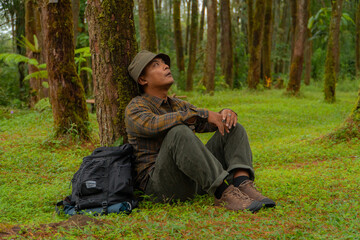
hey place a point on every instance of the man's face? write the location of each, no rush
(157, 75)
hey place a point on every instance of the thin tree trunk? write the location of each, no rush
(357, 48)
(147, 25)
(308, 49)
(226, 42)
(31, 30)
(178, 36)
(293, 8)
(187, 33)
(332, 53)
(209, 74)
(298, 48)
(282, 33)
(193, 43)
(250, 8)
(113, 46)
(267, 43)
(20, 31)
(256, 44)
(202, 21)
(66, 91)
(75, 5)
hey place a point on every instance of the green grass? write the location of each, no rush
(315, 182)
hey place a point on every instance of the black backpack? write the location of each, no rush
(104, 179)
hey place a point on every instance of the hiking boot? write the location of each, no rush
(249, 189)
(233, 199)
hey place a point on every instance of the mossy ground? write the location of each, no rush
(314, 181)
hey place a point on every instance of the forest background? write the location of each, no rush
(58, 56)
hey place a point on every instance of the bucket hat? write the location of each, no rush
(141, 60)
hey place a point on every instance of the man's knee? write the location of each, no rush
(180, 131)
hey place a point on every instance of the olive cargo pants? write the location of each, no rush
(186, 167)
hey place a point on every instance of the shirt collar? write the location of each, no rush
(156, 100)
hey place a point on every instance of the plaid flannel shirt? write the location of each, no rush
(148, 119)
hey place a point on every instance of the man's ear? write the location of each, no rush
(142, 81)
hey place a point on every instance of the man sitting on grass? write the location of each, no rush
(171, 161)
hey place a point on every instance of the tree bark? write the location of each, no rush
(66, 91)
(226, 42)
(187, 33)
(33, 27)
(113, 46)
(178, 36)
(332, 53)
(20, 31)
(75, 5)
(357, 48)
(193, 44)
(147, 26)
(257, 34)
(209, 74)
(202, 21)
(308, 49)
(250, 25)
(282, 33)
(293, 9)
(267, 43)
(297, 59)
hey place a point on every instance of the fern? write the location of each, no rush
(37, 75)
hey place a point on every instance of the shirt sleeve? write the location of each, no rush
(141, 121)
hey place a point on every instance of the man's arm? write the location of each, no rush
(142, 122)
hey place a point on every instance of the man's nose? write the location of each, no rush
(165, 66)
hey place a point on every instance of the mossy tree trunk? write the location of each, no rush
(178, 36)
(255, 46)
(187, 31)
(113, 46)
(308, 49)
(193, 44)
(75, 5)
(297, 59)
(332, 53)
(357, 48)
(202, 21)
(147, 25)
(210, 62)
(267, 43)
(33, 27)
(226, 42)
(66, 91)
(20, 31)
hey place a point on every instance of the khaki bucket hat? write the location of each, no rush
(142, 59)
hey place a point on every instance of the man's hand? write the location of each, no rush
(216, 119)
(229, 118)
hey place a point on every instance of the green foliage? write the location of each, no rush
(25, 43)
(313, 180)
(43, 105)
(81, 55)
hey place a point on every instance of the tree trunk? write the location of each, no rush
(293, 8)
(282, 33)
(33, 27)
(187, 33)
(250, 25)
(147, 25)
(202, 21)
(113, 46)
(267, 43)
(256, 44)
(308, 49)
(20, 31)
(193, 43)
(357, 48)
(178, 36)
(75, 5)
(226, 43)
(210, 61)
(332, 53)
(66, 91)
(297, 59)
